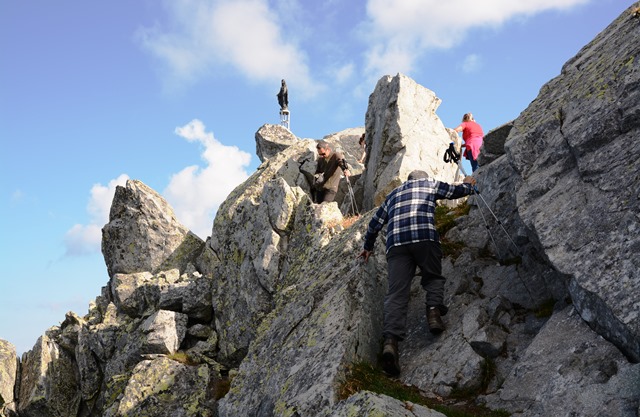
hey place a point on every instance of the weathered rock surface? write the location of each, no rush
(162, 387)
(143, 233)
(493, 143)
(367, 403)
(48, 384)
(578, 367)
(403, 134)
(273, 139)
(8, 376)
(575, 148)
(266, 317)
(323, 322)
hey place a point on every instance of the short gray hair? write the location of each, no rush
(323, 144)
(417, 175)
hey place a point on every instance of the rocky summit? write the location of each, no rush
(270, 315)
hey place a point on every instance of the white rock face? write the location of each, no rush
(143, 233)
(403, 134)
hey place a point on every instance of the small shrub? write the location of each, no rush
(450, 248)
(445, 219)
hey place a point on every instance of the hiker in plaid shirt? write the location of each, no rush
(412, 241)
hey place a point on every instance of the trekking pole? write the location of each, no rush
(452, 156)
(354, 206)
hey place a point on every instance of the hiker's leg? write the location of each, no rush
(328, 196)
(319, 196)
(401, 269)
(429, 258)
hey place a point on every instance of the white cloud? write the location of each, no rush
(242, 33)
(86, 239)
(195, 193)
(344, 73)
(401, 30)
(472, 63)
(83, 239)
(17, 196)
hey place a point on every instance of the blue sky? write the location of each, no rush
(171, 92)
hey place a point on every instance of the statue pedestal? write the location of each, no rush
(284, 118)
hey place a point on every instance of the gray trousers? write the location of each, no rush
(401, 265)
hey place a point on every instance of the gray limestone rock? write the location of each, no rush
(165, 388)
(8, 377)
(249, 237)
(575, 150)
(493, 143)
(405, 134)
(329, 316)
(164, 332)
(143, 233)
(48, 382)
(273, 139)
(570, 370)
(366, 403)
(543, 313)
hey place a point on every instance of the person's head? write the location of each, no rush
(417, 175)
(283, 83)
(361, 141)
(467, 117)
(323, 148)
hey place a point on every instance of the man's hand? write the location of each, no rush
(347, 173)
(469, 180)
(364, 255)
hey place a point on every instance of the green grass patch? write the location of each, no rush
(450, 248)
(445, 219)
(183, 358)
(363, 376)
(488, 369)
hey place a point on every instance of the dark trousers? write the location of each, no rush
(401, 265)
(474, 162)
(324, 196)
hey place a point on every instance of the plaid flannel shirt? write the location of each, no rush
(409, 211)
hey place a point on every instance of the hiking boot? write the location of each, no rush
(436, 326)
(390, 357)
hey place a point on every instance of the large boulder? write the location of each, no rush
(327, 318)
(273, 139)
(575, 149)
(162, 387)
(493, 143)
(569, 369)
(49, 382)
(143, 293)
(403, 134)
(8, 376)
(143, 233)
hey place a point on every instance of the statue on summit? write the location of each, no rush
(283, 97)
